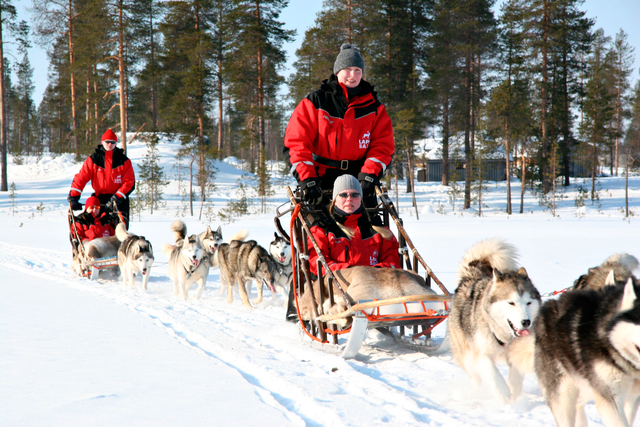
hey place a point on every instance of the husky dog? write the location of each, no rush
(620, 265)
(280, 251)
(587, 347)
(210, 239)
(134, 256)
(614, 271)
(494, 303)
(188, 261)
(240, 262)
(102, 247)
(364, 283)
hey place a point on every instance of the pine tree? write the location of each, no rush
(599, 102)
(623, 65)
(253, 73)
(151, 178)
(52, 16)
(7, 20)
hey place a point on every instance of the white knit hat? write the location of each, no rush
(346, 182)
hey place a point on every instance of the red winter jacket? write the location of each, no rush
(110, 172)
(366, 247)
(328, 125)
(89, 227)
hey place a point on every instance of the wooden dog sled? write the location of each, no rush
(410, 320)
(89, 268)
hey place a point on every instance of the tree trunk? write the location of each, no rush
(508, 167)
(3, 115)
(523, 176)
(445, 141)
(122, 74)
(543, 95)
(74, 112)
(467, 132)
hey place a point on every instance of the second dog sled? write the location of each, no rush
(84, 265)
(410, 320)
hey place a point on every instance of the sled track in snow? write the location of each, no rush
(260, 346)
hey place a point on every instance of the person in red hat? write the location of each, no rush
(111, 174)
(93, 223)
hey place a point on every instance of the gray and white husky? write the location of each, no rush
(621, 265)
(240, 262)
(188, 261)
(494, 303)
(134, 256)
(280, 251)
(587, 347)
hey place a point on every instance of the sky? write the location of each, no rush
(611, 15)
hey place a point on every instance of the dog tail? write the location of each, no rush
(520, 354)
(121, 232)
(487, 255)
(240, 235)
(625, 260)
(179, 229)
(167, 249)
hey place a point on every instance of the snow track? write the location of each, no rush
(310, 386)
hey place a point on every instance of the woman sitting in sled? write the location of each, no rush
(94, 223)
(347, 238)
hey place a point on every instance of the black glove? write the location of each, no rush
(368, 181)
(106, 220)
(311, 191)
(114, 202)
(74, 202)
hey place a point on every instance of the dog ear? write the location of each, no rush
(629, 297)
(523, 273)
(497, 274)
(219, 230)
(275, 235)
(611, 279)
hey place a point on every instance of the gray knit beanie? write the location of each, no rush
(348, 57)
(346, 182)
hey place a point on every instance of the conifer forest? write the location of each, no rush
(535, 79)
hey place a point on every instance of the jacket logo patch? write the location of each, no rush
(327, 117)
(363, 143)
(373, 259)
(118, 179)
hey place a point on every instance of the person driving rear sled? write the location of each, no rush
(111, 174)
(342, 128)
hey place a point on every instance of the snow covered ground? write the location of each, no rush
(77, 353)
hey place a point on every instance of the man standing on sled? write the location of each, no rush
(342, 128)
(111, 174)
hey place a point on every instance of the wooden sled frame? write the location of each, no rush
(393, 317)
(92, 268)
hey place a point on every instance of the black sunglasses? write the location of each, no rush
(345, 195)
(110, 142)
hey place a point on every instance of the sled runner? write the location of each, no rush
(408, 319)
(83, 264)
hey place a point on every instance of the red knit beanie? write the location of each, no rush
(92, 201)
(109, 136)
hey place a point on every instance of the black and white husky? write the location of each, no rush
(494, 304)
(280, 251)
(585, 347)
(134, 256)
